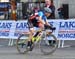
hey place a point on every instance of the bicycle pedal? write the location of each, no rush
(30, 48)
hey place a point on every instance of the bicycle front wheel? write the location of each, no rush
(21, 43)
(48, 47)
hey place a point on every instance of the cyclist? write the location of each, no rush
(38, 19)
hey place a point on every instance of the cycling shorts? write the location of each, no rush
(33, 23)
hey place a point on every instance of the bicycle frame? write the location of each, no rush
(41, 35)
(41, 38)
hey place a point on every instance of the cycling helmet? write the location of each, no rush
(48, 10)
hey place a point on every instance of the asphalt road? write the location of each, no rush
(10, 52)
(7, 52)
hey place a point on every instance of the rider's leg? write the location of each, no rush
(41, 26)
(31, 33)
(39, 33)
(30, 42)
(31, 30)
(30, 37)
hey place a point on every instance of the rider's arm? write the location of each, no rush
(40, 19)
(47, 22)
(40, 14)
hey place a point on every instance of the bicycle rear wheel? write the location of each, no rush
(21, 43)
(47, 47)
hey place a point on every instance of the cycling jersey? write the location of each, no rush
(41, 14)
(34, 22)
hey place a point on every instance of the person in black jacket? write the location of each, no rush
(49, 4)
(60, 12)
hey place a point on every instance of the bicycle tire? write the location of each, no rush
(21, 44)
(45, 47)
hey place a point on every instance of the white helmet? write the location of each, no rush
(48, 10)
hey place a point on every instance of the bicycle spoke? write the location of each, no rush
(48, 47)
(22, 44)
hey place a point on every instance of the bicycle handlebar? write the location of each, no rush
(49, 27)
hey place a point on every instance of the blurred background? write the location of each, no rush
(17, 9)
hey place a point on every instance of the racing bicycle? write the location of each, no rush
(45, 46)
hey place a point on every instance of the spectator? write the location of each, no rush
(60, 12)
(49, 4)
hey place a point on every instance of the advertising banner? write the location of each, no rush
(65, 29)
(5, 28)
